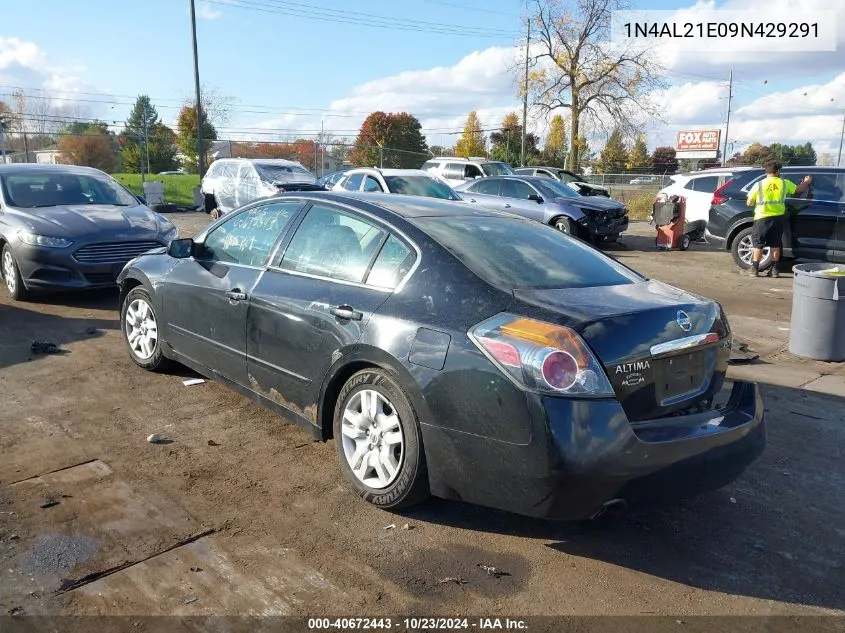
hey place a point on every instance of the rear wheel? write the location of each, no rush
(742, 248)
(378, 441)
(12, 275)
(686, 240)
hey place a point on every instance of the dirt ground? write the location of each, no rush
(240, 512)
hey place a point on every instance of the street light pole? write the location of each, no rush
(728, 121)
(841, 138)
(200, 149)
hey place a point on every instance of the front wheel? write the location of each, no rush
(12, 275)
(564, 225)
(141, 330)
(686, 240)
(378, 441)
(742, 248)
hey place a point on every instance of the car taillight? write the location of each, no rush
(541, 356)
(718, 198)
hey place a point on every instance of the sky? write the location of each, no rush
(292, 68)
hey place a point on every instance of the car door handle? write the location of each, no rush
(472, 199)
(507, 206)
(348, 313)
(235, 296)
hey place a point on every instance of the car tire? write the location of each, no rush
(686, 240)
(564, 225)
(11, 274)
(376, 430)
(741, 251)
(137, 321)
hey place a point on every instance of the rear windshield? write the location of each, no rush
(283, 172)
(420, 186)
(497, 169)
(512, 253)
(33, 189)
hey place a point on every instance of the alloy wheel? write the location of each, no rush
(141, 329)
(10, 272)
(373, 441)
(746, 248)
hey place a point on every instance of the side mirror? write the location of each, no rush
(181, 249)
(536, 198)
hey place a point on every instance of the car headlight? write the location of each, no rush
(33, 239)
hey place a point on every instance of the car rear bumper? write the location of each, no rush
(589, 455)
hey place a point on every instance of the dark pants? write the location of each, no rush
(768, 232)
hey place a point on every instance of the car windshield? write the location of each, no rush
(30, 189)
(497, 169)
(554, 189)
(513, 253)
(420, 186)
(270, 172)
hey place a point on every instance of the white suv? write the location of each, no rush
(231, 183)
(698, 187)
(455, 171)
(411, 182)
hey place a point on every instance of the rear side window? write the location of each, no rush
(705, 184)
(825, 187)
(514, 254)
(487, 187)
(353, 183)
(392, 264)
(454, 171)
(331, 243)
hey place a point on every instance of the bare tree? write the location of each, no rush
(578, 68)
(218, 106)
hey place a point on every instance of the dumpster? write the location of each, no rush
(817, 329)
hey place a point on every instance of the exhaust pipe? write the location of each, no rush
(614, 507)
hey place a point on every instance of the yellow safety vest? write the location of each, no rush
(771, 197)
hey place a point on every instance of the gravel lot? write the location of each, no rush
(242, 513)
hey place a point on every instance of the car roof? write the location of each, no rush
(390, 172)
(46, 167)
(400, 205)
(263, 161)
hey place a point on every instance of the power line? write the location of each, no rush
(470, 8)
(349, 17)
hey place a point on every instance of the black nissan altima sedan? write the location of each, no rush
(453, 351)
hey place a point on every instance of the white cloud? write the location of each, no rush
(207, 12)
(690, 102)
(826, 98)
(25, 64)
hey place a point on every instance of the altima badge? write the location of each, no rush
(683, 320)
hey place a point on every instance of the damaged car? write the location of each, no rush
(230, 183)
(453, 351)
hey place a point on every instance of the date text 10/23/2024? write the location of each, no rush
(417, 624)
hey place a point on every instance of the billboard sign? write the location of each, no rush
(698, 143)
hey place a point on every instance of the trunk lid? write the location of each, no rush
(664, 350)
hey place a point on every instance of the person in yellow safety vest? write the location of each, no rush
(768, 197)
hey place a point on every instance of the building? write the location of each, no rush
(47, 156)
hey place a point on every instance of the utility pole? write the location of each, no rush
(146, 146)
(728, 122)
(525, 97)
(200, 149)
(25, 149)
(841, 138)
(2, 142)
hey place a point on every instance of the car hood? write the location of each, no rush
(137, 222)
(593, 203)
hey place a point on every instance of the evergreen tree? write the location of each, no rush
(614, 156)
